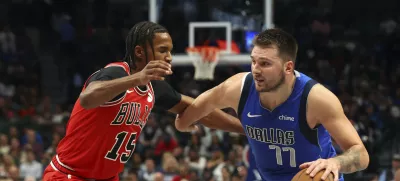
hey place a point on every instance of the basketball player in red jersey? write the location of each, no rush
(114, 106)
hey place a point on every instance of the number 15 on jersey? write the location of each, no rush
(129, 146)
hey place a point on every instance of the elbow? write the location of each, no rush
(364, 159)
(360, 158)
(86, 100)
(91, 97)
(180, 126)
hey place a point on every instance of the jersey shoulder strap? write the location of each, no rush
(310, 134)
(246, 85)
(124, 65)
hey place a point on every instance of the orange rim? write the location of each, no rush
(208, 53)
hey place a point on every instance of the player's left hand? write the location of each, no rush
(329, 165)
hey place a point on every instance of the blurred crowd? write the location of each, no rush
(350, 47)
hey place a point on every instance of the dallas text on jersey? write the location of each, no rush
(271, 135)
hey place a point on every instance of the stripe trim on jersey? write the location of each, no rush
(245, 93)
(310, 134)
(141, 92)
(62, 164)
(129, 68)
(52, 165)
(59, 168)
(151, 91)
(151, 88)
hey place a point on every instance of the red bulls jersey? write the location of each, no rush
(99, 141)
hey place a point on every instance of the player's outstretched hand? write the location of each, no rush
(329, 165)
(154, 70)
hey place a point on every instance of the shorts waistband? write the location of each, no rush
(57, 165)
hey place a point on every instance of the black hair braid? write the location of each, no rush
(139, 35)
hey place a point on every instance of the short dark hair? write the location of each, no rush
(141, 34)
(285, 42)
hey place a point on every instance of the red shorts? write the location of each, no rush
(50, 174)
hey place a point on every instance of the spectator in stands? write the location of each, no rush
(13, 132)
(8, 162)
(4, 144)
(195, 144)
(183, 173)
(389, 174)
(132, 176)
(13, 173)
(397, 175)
(34, 142)
(225, 174)
(15, 150)
(136, 161)
(215, 163)
(165, 144)
(147, 172)
(30, 178)
(3, 110)
(194, 176)
(158, 176)
(169, 166)
(150, 134)
(31, 168)
(7, 43)
(215, 143)
(195, 161)
(51, 150)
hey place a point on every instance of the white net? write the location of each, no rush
(204, 60)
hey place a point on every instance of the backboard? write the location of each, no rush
(229, 21)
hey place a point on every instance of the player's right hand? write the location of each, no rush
(154, 70)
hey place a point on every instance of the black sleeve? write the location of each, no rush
(109, 73)
(166, 96)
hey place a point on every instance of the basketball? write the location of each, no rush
(303, 176)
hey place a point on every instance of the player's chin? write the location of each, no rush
(260, 88)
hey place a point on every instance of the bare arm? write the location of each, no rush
(217, 119)
(99, 92)
(227, 94)
(325, 108)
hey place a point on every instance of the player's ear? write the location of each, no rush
(139, 52)
(289, 67)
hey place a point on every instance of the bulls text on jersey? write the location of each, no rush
(128, 114)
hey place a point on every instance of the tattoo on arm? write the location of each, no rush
(350, 161)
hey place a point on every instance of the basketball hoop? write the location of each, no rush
(204, 59)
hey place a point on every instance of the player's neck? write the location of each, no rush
(271, 100)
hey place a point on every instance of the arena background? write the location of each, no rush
(49, 47)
